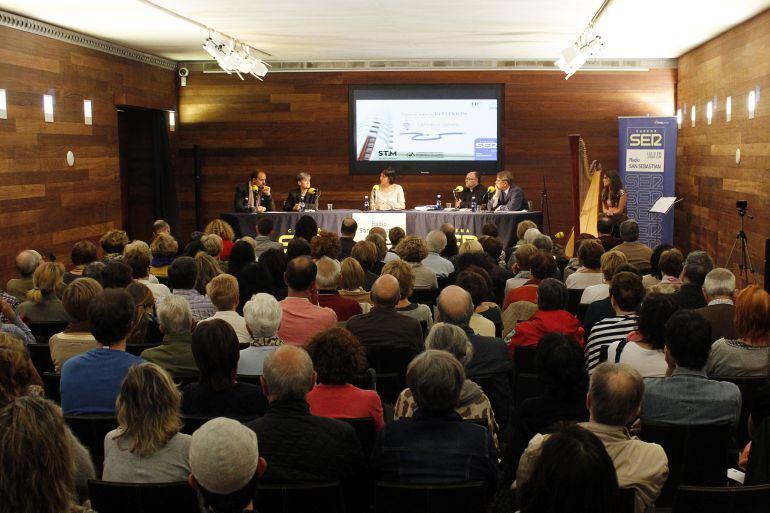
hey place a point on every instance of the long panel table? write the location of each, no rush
(467, 224)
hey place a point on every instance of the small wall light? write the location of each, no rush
(48, 108)
(752, 103)
(709, 112)
(87, 115)
(729, 108)
(692, 116)
(172, 120)
(679, 118)
(3, 105)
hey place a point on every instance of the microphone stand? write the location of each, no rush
(545, 209)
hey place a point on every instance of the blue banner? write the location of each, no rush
(647, 166)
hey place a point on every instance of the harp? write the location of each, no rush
(586, 187)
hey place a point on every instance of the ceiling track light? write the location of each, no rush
(588, 45)
(233, 56)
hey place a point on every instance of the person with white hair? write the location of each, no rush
(436, 242)
(223, 292)
(175, 354)
(327, 281)
(26, 263)
(263, 316)
(719, 289)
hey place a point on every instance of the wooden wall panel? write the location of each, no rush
(44, 204)
(295, 122)
(707, 176)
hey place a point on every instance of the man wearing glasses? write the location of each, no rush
(508, 196)
(473, 188)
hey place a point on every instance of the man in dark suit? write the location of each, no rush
(472, 189)
(718, 287)
(260, 201)
(696, 266)
(508, 196)
(348, 231)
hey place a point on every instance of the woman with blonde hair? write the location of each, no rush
(147, 446)
(352, 281)
(76, 337)
(413, 250)
(42, 305)
(471, 246)
(207, 268)
(404, 273)
(225, 232)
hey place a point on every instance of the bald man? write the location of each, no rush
(383, 326)
(302, 317)
(26, 263)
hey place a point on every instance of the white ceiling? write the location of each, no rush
(397, 29)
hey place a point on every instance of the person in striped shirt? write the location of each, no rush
(626, 294)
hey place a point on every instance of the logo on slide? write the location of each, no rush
(485, 149)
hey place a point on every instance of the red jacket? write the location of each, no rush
(529, 333)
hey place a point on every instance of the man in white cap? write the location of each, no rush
(225, 465)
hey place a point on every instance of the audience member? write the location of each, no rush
(718, 289)
(337, 358)
(576, 456)
(470, 246)
(327, 281)
(175, 354)
(614, 396)
(655, 275)
(42, 304)
(225, 465)
(626, 294)
(116, 275)
(90, 381)
(542, 266)
(404, 273)
(265, 227)
(182, 274)
(486, 319)
(520, 267)
(643, 349)
(18, 375)
(306, 227)
(366, 254)
(263, 315)
(352, 282)
(604, 226)
(160, 226)
(298, 247)
(146, 329)
(379, 230)
(255, 278)
(82, 254)
(225, 232)
(147, 446)
(521, 229)
(670, 266)
(112, 244)
(636, 253)
(17, 328)
(493, 247)
(164, 250)
(217, 393)
(589, 271)
(94, 270)
(325, 244)
(395, 235)
(302, 317)
(697, 265)
(450, 251)
(550, 317)
(602, 308)
(384, 326)
(241, 255)
(223, 293)
(26, 263)
(436, 241)
(76, 337)
(139, 263)
(436, 446)
(206, 269)
(348, 230)
(749, 354)
(609, 263)
(686, 396)
(212, 244)
(382, 251)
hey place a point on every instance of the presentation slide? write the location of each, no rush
(436, 130)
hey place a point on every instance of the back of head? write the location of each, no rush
(670, 262)
(475, 284)
(116, 275)
(395, 235)
(265, 226)
(349, 227)
(241, 254)
(551, 295)
(297, 247)
(306, 227)
(206, 269)
(404, 273)
(77, 297)
(328, 273)
(164, 246)
(379, 230)
(560, 366)
(656, 309)
(182, 273)
(325, 244)
(386, 291)
(263, 315)
(274, 261)
(111, 316)
(524, 254)
(629, 230)
(719, 282)
(492, 246)
(366, 254)
(436, 241)
(221, 228)
(604, 225)
(615, 394)
(174, 315)
(573, 473)
(688, 339)
(657, 251)
(139, 263)
(752, 315)
(27, 261)
(215, 349)
(590, 253)
(223, 292)
(531, 234)
(15, 368)
(610, 261)
(160, 226)
(288, 374)
(380, 244)
(213, 244)
(522, 228)
(543, 243)
(300, 273)
(455, 306)
(470, 246)
(83, 252)
(114, 241)
(452, 339)
(490, 229)
(46, 280)
(542, 265)
(352, 274)
(436, 379)
(337, 356)
(697, 266)
(94, 270)
(627, 290)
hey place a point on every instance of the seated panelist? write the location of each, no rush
(388, 195)
(259, 200)
(303, 193)
(472, 189)
(507, 196)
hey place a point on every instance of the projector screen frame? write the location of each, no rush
(494, 91)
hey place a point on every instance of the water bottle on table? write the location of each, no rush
(366, 203)
(302, 204)
(474, 205)
(439, 206)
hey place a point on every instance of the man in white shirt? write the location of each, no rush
(223, 292)
(436, 242)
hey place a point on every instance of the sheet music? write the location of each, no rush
(663, 205)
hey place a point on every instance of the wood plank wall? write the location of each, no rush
(295, 122)
(44, 204)
(707, 176)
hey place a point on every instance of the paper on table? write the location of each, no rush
(663, 205)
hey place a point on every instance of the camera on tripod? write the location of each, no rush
(742, 206)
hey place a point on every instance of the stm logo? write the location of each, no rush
(387, 153)
(486, 145)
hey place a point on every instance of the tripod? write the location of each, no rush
(545, 209)
(742, 245)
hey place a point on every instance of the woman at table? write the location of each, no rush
(613, 196)
(388, 195)
(303, 193)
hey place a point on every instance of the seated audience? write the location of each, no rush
(241, 255)
(486, 319)
(255, 279)
(384, 326)
(160, 226)
(206, 269)
(42, 304)
(225, 232)
(76, 337)
(520, 267)
(337, 358)
(16, 326)
(274, 261)
(212, 244)
(670, 265)
(139, 263)
(718, 289)
(436, 241)
(687, 396)
(223, 293)
(404, 273)
(614, 396)
(116, 275)
(690, 294)
(451, 249)
(327, 280)
(576, 456)
(637, 253)
(26, 263)
(325, 244)
(217, 393)
(225, 466)
(382, 251)
(542, 266)
(604, 226)
(18, 375)
(749, 353)
(643, 349)
(436, 446)
(602, 308)
(395, 235)
(297, 247)
(348, 230)
(82, 254)
(90, 381)
(626, 294)
(589, 271)
(655, 275)
(306, 228)
(366, 254)
(146, 329)
(112, 244)
(493, 247)
(263, 317)
(550, 317)
(609, 262)
(182, 274)
(147, 446)
(164, 249)
(472, 403)
(521, 229)
(301, 446)
(560, 369)
(302, 317)
(175, 354)
(352, 281)
(263, 241)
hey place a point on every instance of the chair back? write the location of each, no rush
(424, 296)
(498, 389)
(51, 383)
(525, 384)
(252, 379)
(367, 380)
(468, 497)
(748, 387)
(390, 363)
(108, 497)
(91, 430)
(191, 423)
(40, 354)
(366, 432)
(299, 498)
(573, 300)
(728, 499)
(581, 311)
(43, 331)
(697, 455)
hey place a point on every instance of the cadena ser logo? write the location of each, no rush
(653, 140)
(485, 149)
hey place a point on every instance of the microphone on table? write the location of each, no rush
(457, 189)
(375, 189)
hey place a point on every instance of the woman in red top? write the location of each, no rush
(226, 232)
(541, 266)
(337, 358)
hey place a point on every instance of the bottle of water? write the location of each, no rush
(438, 202)
(474, 205)
(302, 204)
(366, 203)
